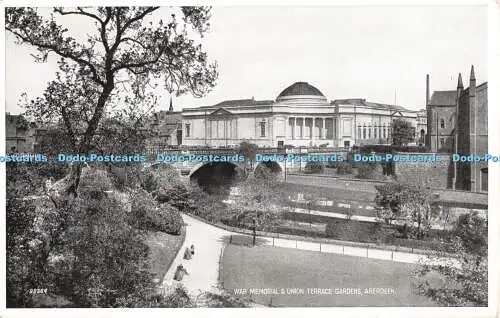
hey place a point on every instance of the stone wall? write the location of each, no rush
(435, 174)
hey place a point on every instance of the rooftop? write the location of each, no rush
(300, 88)
(363, 102)
(444, 98)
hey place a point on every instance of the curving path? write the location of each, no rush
(203, 268)
(208, 240)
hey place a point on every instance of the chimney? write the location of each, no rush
(427, 90)
(428, 141)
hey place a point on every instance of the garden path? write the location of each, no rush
(203, 267)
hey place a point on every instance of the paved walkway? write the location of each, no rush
(203, 268)
(208, 240)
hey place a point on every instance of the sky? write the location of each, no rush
(381, 54)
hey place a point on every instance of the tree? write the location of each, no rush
(402, 132)
(466, 278)
(258, 204)
(118, 61)
(248, 150)
(89, 252)
(405, 202)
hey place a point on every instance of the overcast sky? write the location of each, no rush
(380, 53)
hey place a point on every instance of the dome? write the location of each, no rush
(300, 90)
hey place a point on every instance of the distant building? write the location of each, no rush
(166, 127)
(457, 122)
(20, 134)
(421, 132)
(300, 116)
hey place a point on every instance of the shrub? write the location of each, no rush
(206, 206)
(124, 177)
(314, 167)
(264, 172)
(355, 230)
(97, 180)
(344, 168)
(157, 177)
(472, 229)
(143, 204)
(102, 253)
(177, 196)
(333, 164)
(148, 215)
(370, 170)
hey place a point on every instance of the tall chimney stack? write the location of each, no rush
(427, 90)
(428, 141)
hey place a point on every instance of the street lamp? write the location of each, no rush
(285, 167)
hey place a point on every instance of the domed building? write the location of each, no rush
(300, 115)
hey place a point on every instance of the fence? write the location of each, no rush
(323, 241)
(341, 249)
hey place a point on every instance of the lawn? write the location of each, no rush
(163, 248)
(272, 268)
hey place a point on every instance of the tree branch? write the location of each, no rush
(133, 40)
(129, 66)
(120, 32)
(79, 12)
(60, 52)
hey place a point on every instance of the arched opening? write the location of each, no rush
(267, 169)
(217, 177)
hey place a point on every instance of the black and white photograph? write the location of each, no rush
(247, 156)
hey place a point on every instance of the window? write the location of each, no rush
(347, 144)
(441, 123)
(441, 142)
(484, 179)
(263, 129)
(364, 132)
(359, 131)
(369, 132)
(385, 135)
(188, 130)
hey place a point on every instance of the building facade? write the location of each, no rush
(301, 116)
(20, 134)
(421, 128)
(458, 123)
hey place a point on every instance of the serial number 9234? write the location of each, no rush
(34, 291)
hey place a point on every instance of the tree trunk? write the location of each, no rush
(84, 147)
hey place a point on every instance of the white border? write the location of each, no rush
(493, 186)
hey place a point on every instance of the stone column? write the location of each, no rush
(313, 129)
(302, 128)
(323, 134)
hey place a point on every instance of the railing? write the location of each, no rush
(407, 255)
(323, 241)
(204, 150)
